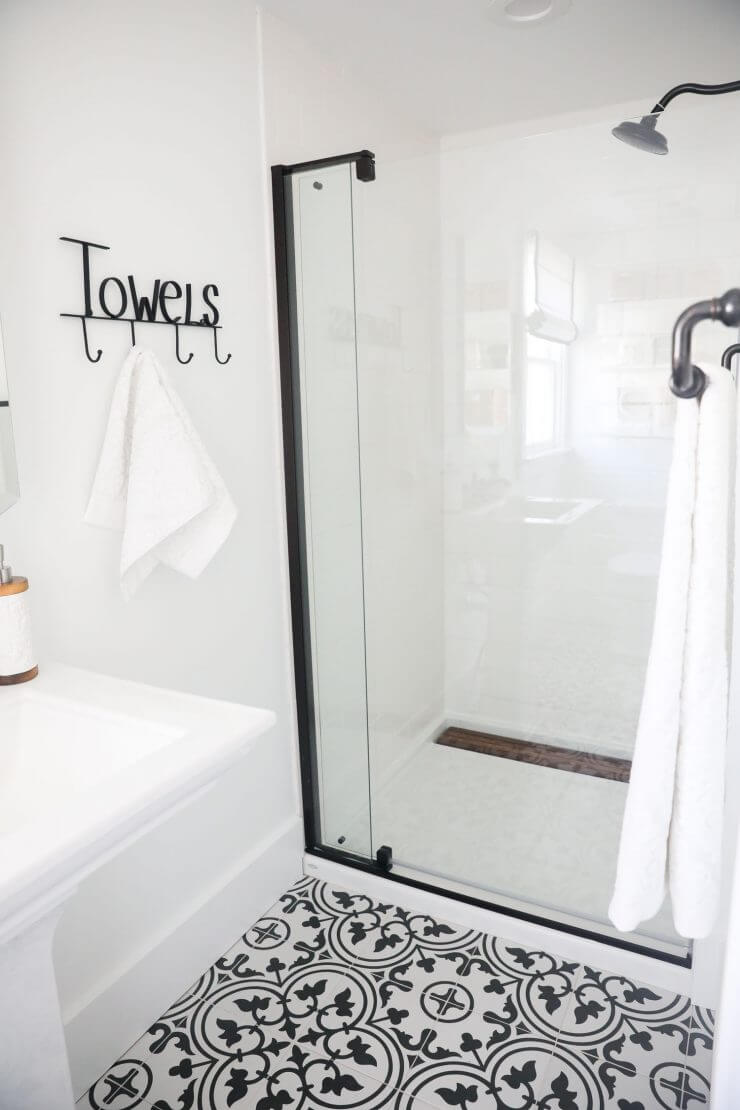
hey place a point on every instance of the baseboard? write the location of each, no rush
(103, 1027)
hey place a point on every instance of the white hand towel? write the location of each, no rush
(155, 480)
(672, 828)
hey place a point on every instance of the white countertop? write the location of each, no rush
(88, 762)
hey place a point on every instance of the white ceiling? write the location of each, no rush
(450, 67)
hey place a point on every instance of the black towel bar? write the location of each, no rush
(728, 354)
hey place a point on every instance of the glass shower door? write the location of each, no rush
(513, 353)
(328, 554)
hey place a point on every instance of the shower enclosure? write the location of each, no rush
(475, 348)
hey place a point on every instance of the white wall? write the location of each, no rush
(315, 106)
(8, 469)
(138, 126)
(548, 625)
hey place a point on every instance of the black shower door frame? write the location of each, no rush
(289, 361)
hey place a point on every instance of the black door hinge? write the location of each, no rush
(365, 166)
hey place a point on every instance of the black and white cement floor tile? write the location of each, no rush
(385, 956)
(496, 1010)
(510, 1078)
(292, 1078)
(301, 928)
(701, 1041)
(572, 1083)
(329, 1010)
(245, 1049)
(378, 936)
(695, 1094)
(334, 1000)
(375, 1025)
(124, 1086)
(626, 1028)
(430, 975)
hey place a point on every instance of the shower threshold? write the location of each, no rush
(522, 916)
(652, 960)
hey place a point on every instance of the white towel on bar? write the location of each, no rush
(155, 481)
(672, 828)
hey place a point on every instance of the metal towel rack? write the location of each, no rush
(688, 380)
(728, 354)
(150, 306)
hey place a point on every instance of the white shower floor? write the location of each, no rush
(531, 833)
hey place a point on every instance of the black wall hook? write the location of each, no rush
(127, 300)
(87, 347)
(222, 361)
(184, 361)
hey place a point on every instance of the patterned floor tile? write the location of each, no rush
(626, 1028)
(510, 1078)
(402, 958)
(124, 1086)
(695, 1095)
(300, 929)
(488, 996)
(574, 1082)
(543, 984)
(327, 1009)
(445, 992)
(132, 1080)
(378, 935)
(701, 1041)
(492, 1010)
(400, 1005)
(297, 1080)
(335, 1000)
(249, 1047)
(170, 1061)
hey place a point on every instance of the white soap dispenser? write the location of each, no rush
(17, 661)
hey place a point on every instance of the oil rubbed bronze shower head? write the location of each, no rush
(643, 134)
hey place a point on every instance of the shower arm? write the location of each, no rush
(693, 87)
(644, 133)
(688, 380)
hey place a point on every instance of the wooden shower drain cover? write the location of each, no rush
(544, 755)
